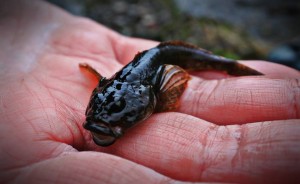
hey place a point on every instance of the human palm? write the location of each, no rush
(243, 129)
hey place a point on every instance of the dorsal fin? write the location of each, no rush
(183, 44)
(139, 54)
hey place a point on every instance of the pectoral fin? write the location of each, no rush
(173, 82)
(91, 70)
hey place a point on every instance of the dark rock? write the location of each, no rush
(286, 54)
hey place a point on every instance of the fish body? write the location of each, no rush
(152, 82)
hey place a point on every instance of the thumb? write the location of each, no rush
(85, 167)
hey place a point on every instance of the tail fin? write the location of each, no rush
(191, 57)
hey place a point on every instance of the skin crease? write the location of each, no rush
(243, 129)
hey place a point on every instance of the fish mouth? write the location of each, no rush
(103, 135)
(103, 140)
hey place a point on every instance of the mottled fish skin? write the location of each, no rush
(153, 81)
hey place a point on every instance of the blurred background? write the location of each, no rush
(238, 29)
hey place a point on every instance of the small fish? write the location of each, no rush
(152, 82)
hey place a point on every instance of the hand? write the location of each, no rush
(243, 129)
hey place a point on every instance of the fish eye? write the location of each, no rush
(118, 106)
(102, 82)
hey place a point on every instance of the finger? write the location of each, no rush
(186, 148)
(242, 100)
(86, 167)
